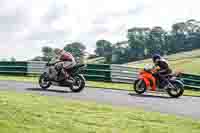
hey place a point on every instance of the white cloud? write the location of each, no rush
(27, 25)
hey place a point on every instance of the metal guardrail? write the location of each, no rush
(94, 72)
(123, 74)
(35, 67)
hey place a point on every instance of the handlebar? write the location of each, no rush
(52, 64)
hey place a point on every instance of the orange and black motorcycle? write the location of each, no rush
(147, 82)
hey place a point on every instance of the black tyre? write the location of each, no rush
(176, 90)
(79, 84)
(44, 82)
(139, 86)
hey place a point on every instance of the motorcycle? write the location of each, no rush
(172, 85)
(76, 81)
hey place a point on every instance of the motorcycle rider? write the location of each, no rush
(63, 61)
(164, 69)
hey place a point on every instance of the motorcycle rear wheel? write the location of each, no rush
(79, 83)
(179, 89)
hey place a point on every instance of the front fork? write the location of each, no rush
(146, 81)
(171, 86)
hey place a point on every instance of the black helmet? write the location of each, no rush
(155, 57)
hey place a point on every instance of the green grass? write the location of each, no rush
(105, 85)
(97, 60)
(29, 113)
(187, 62)
(19, 78)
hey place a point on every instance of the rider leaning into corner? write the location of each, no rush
(164, 69)
(63, 61)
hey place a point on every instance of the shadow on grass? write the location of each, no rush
(150, 96)
(48, 90)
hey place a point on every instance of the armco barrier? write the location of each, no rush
(123, 74)
(191, 80)
(93, 72)
(35, 67)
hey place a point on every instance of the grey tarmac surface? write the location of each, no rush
(183, 106)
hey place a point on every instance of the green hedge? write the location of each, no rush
(98, 72)
(13, 67)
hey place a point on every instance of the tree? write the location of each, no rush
(156, 41)
(104, 48)
(119, 54)
(77, 49)
(137, 40)
(38, 58)
(179, 33)
(12, 59)
(48, 53)
(186, 35)
(193, 34)
(4, 59)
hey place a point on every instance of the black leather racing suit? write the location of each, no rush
(163, 72)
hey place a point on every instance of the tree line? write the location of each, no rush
(11, 59)
(76, 48)
(141, 43)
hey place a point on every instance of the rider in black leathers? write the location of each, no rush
(163, 71)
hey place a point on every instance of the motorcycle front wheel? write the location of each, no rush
(139, 86)
(44, 82)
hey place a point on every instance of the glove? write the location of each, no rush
(155, 74)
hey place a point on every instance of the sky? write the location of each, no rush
(27, 25)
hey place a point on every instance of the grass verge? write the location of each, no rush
(31, 113)
(105, 85)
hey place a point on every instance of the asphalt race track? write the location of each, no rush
(183, 106)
